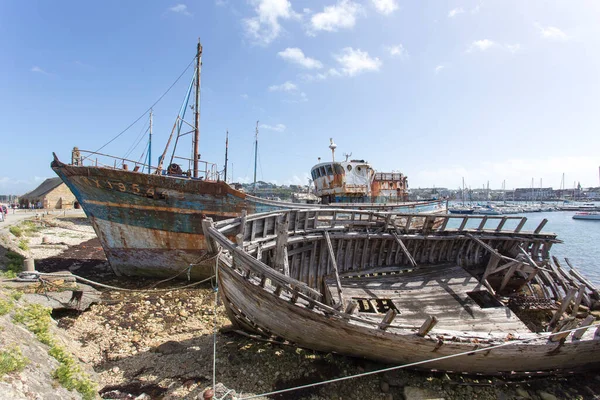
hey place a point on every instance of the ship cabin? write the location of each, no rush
(343, 182)
(389, 187)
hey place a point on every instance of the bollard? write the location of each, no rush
(29, 265)
(208, 394)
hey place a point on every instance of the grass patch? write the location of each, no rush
(69, 374)
(12, 360)
(16, 230)
(15, 264)
(5, 307)
(16, 295)
(24, 244)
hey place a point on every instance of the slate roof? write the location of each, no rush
(46, 186)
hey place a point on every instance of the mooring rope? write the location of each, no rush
(216, 289)
(413, 364)
(36, 275)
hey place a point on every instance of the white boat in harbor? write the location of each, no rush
(592, 215)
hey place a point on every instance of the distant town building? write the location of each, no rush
(51, 194)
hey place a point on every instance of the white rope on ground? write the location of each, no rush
(344, 378)
(216, 288)
(36, 276)
(93, 283)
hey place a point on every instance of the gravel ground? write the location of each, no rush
(161, 345)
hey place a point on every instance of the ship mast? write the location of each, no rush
(150, 144)
(197, 108)
(226, 149)
(255, 154)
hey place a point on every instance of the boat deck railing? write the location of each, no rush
(207, 170)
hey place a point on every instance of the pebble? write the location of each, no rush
(523, 393)
(385, 387)
(547, 396)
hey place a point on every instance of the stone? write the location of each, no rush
(415, 393)
(170, 347)
(523, 393)
(385, 387)
(547, 396)
(183, 313)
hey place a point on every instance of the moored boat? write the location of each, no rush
(407, 288)
(592, 216)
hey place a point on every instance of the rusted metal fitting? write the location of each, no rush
(208, 394)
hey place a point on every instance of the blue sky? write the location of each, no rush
(485, 90)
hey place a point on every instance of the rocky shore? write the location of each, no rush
(159, 345)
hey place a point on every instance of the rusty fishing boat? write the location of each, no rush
(148, 218)
(473, 294)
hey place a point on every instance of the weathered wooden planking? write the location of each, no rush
(439, 291)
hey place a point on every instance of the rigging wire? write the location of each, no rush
(137, 140)
(142, 157)
(145, 112)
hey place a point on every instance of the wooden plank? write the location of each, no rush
(482, 223)
(253, 230)
(387, 319)
(541, 226)
(509, 275)
(242, 228)
(428, 325)
(405, 250)
(463, 224)
(578, 299)
(281, 249)
(501, 224)
(566, 325)
(365, 253)
(520, 225)
(563, 306)
(444, 224)
(335, 268)
(584, 325)
(310, 273)
(581, 278)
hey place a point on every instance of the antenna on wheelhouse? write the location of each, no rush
(255, 154)
(197, 108)
(332, 146)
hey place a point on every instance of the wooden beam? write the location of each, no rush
(427, 326)
(521, 225)
(281, 249)
(335, 268)
(541, 226)
(405, 250)
(578, 299)
(584, 325)
(387, 319)
(563, 306)
(242, 230)
(565, 325)
(508, 275)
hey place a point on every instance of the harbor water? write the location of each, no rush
(581, 238)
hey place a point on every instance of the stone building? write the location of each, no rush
(51, 194)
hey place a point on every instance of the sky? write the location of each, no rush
(505, 92)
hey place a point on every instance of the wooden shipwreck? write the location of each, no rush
(408, 288)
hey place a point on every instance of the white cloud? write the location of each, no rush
(481, 45)
(284, 87)
(397, 51)
(551, 33)
(296, 56)
(341, 15)
(298, 98)
(385, 7)
(454, 12)
(38, 70)
(439, 68)
(353, 62)
(265, 26)
(244, 96)
(513, 48)
(180, 9)
(276, 128)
